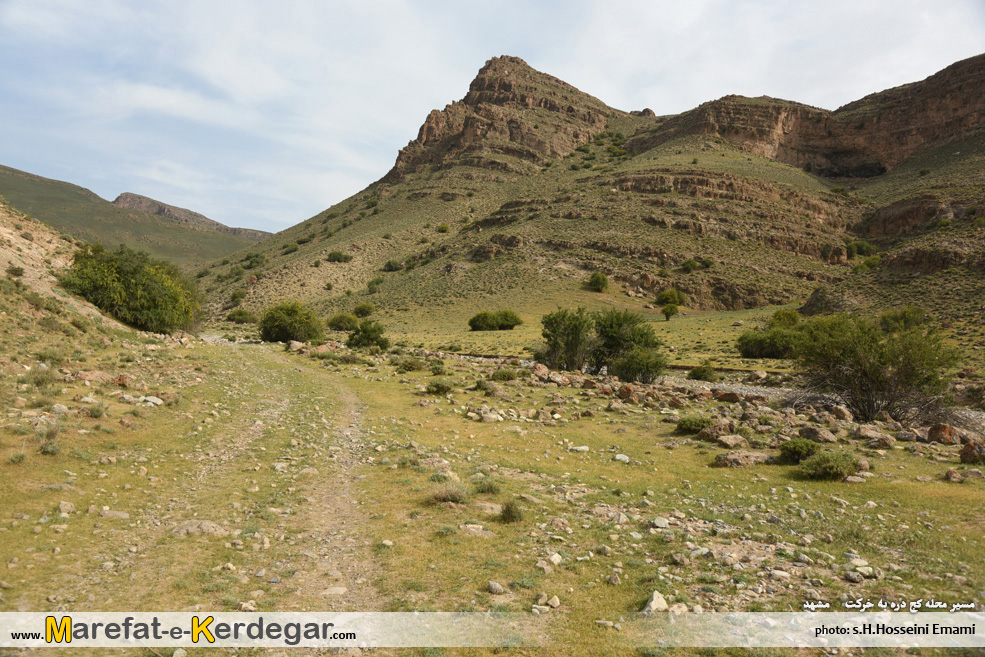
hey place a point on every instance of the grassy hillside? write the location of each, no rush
(84, 215)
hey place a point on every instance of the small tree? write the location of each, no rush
(619, 332)
(670, 310)
(673, 295)
(369, 333)
(905, 372)
(291, 320)
(598, 282)
(568, 334)
(343, 322)
(364, 309)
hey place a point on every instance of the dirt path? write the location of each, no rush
(250, 504)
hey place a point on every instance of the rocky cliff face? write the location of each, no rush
(513, 119)
(129, 201)
(865, 138)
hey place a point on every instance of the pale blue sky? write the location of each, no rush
(261, 114)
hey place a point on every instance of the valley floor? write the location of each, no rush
(267, 480)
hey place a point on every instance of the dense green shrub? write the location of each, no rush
(771, 343)
(569, 337)
(237, 297)
(290, 320)
(409, 364)
(343, 322)
(242, 316)
(136, 289)
(511, 511)
(598, 282)
(500, 320)
(443, 228)
(640, 364)
(505, 374)
(830, 465)
(437, 367)
(15, 271)
(364, 309)
(796, 450)
(690, 265)
(438, 388)
(337, 256)
(703, 372)
(393, 265)
(672, 295)
(670, 310)
(368, 334)
(693, 424)
(905, 372)
(902, 319)
(707, 263)
(784, 318)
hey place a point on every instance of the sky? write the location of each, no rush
(261, 114)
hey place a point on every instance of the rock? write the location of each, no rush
(156, 401)
(842, 413)
(655, 603)
(818, 435)
(740, 458)
(622, 458)
(854, 480)
(541, 371)
(179, 652)
(868, 432)
(582, 448)
(114, 515)
(20, 402)
(66, 507)
(660, 522)
(727, 396)
(308, 471)
(59, 409)
(294, 345)
(496, 588)
(193, 527)
(335, 590)
(973, 453)
(953, 476)
(942, 433)
(613, 579)
(732, 441)
(491, 417)
(554, 602)
(555, 559)
(974, 473)
(854, 577)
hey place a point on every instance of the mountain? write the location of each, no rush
(514, 194)
(129, 201)
(82, 214)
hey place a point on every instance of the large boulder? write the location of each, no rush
(973, 452)
(740, 458)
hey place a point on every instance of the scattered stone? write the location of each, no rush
(59, 409)
(613, 579)
(114, 515)
(193, 527)
(953, 476)
(818, 435)
(732, 441)
(973, 453)
(942, 433)
(854, 577)
(655, 603)
(554, 602)
(66, 507)
(496, 588)
(740, 458)
(622, 458)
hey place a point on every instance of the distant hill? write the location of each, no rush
(82, 214)
(129, 201)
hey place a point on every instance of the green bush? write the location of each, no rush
(784, 318)
(598, 282)
(364, 309)
(241, 316)
(796, 450)
(829, 465)
(619, 332)
(501, 320)
(505, 374)
(569, 337)
(149, 294)
(291, 320)
(671, 296)
(368, 334)
(343, 322)
(237, 297)
(906, 372)
(690, 265)
(707, 263)
(772, 343)
(693, 424)
(289, 249)
(443, 228)
(393, 265)
(703, 372)
(640, 364)
(511, 512)
(902, 319)
(410, 364)
(670, 310)
(14, 271)
(438, 388)
(337, 256)
(437, 367)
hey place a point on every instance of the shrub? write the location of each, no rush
(641, 364)
(241, 316)
(501, 320)
(619, 332)
(796, 450)
(924, 171)
(149, 294)
(454, 493)
(693, 424)
(504, 374)
(14, 271)
(410, 364)
(437, 367)
(703, 372)
(289, 249)
(343, 322)
(772, 343)
(598, 282)
(393, 265)
(291, 320)
(707, 263)
(901, 319)
(829, 465)
(438, 388)
(670, 310)
(486, 487)
(512, 512)
(337, 256)
(905, 372)
(784, 318)
(368, 334)
(569, 339)
(690, 265)
(237, 297)
(671, 296)
(443, 228)
(364, 309)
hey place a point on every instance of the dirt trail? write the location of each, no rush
(260, 513)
